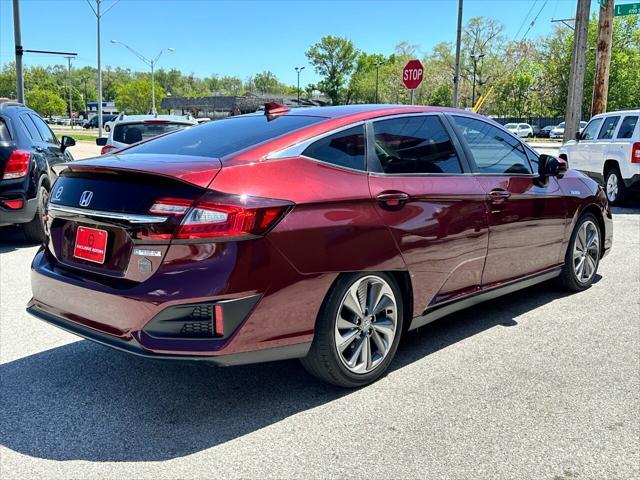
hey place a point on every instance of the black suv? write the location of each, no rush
(28, 150)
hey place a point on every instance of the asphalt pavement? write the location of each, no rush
(540, 384)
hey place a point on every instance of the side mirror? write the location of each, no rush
(578, 136)
(550, 166)
(101, 142)
(66, 142)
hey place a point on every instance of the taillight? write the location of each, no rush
(221, 216)
(17, 165)
(13, 204)
(107, 149)
(635, 153)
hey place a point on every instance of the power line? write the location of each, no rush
(524, 20)
(533, 22)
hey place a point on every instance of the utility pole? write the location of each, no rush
(575, 95)
(456, 76)
(17, 35)
(377, 65)
(70, 95)
(603, 58)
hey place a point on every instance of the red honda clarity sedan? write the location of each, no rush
(322, 234)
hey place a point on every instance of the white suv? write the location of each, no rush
(608, 149)
(522, 130)
(129, 129)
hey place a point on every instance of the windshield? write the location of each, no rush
(560, 125)
(136, 132)
(511, 125)
(223, 137)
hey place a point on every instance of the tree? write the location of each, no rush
(46, 102)
(135, 96)
(334, 59)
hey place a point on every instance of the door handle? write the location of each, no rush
(498, 196)
(393, 199)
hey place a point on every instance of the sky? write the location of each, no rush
(246, 37)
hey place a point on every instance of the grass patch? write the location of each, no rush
(83, 137)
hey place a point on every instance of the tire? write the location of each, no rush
(369, 349)
(614, 186)
(34, 230)
(581, 264)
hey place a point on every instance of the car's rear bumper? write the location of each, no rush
(22, 215)
(134, 347)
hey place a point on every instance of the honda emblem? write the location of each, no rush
(85, 198)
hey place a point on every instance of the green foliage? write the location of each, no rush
(135, 97)
(334, 59)
(46, 102)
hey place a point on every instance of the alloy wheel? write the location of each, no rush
(612, 187)
(366, 324)
(586, 251)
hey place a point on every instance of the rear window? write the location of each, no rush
(5, 135)
(136, 132)
(223, 137)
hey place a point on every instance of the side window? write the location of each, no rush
(493, 150)
(45, 132)
(415, 144)
(534, 159)
(591, 130)
(608, 127)
(5, 135)
(28, 124)
(627, 127)
(345, 148)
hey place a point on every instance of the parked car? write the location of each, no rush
(93, 121)
(545, 131)
(522, 130)
(322, 234)
(28, 150)
(608, 150)
(130, 129)
(558, 130)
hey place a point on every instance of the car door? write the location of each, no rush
(526, 217)
(50, 143)
(585, 155)
(435, 209)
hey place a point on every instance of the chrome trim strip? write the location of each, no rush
(127, 217)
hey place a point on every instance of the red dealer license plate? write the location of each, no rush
(91, 244)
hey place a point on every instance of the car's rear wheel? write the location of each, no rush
(583, 255)
(357, 331)
(614, 186)
(34, 230)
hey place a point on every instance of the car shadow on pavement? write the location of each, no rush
(82, 401)
(12, 238)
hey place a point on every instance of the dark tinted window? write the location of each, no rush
(415, 144)
(222, 137)
(45, 132)
(591, 130)
(493, 150)
(5, 135)
(608, 127)
(345, 148)
(28, 124)
(627, 127)
(136, 132)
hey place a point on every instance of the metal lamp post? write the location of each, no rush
(298, 70)
(151, 62)
(475, 59)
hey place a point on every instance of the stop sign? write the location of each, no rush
(412, 74)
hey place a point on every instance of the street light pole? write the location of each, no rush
(70, 94)
(475, 59)
(298, 70)
(151, 62)
(456, 77)
(18, 45)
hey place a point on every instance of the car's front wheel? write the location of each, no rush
(583, 255)
(357, 331)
